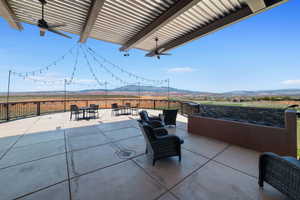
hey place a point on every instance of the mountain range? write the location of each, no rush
(152, 90)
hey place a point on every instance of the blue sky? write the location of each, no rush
(262, 52)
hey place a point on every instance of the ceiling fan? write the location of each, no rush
(44, 26)
(158, 52)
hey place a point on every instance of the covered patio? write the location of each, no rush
(51, 157)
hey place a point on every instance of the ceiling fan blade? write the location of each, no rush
(59, 33)
(42, 33)
(165, 54)
(55, 25)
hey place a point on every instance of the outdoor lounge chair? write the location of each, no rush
(74, 110)
(283, 173)
(155, 122)
(159, 144)
(169, 117)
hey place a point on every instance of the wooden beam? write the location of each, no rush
(95, 9)
(255, 5)
(214, 26)
(9, 15)
(174, 11)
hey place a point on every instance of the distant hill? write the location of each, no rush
(281, 92)
(152, 90)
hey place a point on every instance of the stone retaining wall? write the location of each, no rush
(260, 116)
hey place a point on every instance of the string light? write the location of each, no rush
(43, 69)
(123, 70)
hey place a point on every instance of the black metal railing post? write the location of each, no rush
(154, 104)
(38, 108)
(7, 111)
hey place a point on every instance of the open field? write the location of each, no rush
(28, 98)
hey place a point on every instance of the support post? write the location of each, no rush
(7, 96)
(105, 94)
(139, 93)
(65, 96)
(38, 108)
(168, 92)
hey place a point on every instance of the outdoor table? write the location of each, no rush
(85, 111)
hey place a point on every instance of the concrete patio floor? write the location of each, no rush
(51, 157)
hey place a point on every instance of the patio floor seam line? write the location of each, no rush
(209, 160)
(213, 159)
(199, 154)
(67, 163)
(92, 171)
(41, 189)
(245, 173)
(17, 147)
(110, 142)
(111, 130)
(33, 160)
(4, 154)
(148, 174)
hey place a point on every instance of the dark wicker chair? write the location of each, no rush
(283, 173)
(115, 109)
(155, 122)
(169, 117)
(159, 144)
(74, 110)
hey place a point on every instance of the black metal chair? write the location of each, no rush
(115, 109)
(159, 144)
(169, 117)
(94, 110)
(135, 109)
(155, 122)
(283, 173)
(74, 110)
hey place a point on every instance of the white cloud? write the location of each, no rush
(291, 82)
(181, 69)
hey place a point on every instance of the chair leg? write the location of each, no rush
(179, 158)
(153, 162)
(261, 183)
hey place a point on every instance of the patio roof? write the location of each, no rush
(135, 24)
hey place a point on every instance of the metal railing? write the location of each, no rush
(18, 110)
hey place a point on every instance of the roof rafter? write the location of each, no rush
(95, 9)
(202, 31)
(174, 11)
(9, 15)
(255, 5)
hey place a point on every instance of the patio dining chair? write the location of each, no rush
(135, 109)
(160, 144)
(94, 110)
(74, 110)
(115, 109)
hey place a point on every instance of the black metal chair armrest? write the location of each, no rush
(160, 131)
(155, 118)
(156, 124)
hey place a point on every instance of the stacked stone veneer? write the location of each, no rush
(260, 116)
